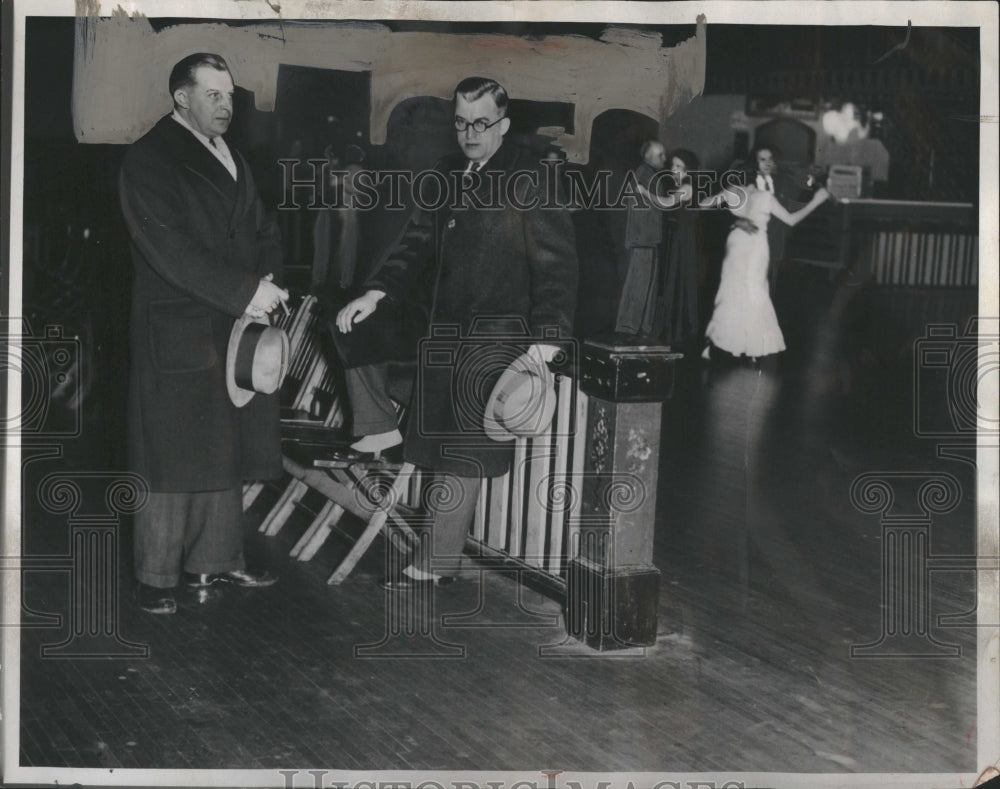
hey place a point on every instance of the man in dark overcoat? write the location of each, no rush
(500, 265)
(204, 254)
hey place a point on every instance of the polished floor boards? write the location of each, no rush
(772, 573)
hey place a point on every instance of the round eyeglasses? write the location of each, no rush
(479, 125)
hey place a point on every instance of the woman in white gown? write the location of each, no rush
(743, 322)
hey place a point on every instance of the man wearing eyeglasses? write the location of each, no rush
(493, 259)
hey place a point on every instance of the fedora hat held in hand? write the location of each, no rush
(522, 401)
(256, 360)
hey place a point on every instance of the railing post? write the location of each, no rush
(612, 586)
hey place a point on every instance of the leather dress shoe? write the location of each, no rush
(401, 582)
(154, 600)
(243, 578)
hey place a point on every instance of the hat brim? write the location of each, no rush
(237, 394)
(525, 362)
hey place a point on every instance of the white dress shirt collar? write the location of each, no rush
(216, 145)
(765, 182)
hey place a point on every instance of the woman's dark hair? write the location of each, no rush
(688, 157)
(763, 146)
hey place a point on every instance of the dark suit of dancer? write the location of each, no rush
(767, 176)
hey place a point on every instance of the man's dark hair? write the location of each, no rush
(473, 88)
(182, 75)
(764, 146)
(644, 149)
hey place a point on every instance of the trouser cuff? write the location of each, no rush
(208, 568)
(159, 580)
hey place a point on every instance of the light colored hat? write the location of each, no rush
(256, 360)
(522, 401)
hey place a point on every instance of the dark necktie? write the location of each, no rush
(467, 175)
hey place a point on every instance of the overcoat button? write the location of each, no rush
(232, 234)
(451, 224)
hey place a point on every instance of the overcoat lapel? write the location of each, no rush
(243, 184)
(199, 161)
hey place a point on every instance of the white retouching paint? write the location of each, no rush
(122, 63)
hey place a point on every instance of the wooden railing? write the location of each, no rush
(525, 520)
(901, 243)
(529, 516)
(915, 243)
(937, 259)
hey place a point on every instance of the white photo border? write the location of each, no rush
(836, 12)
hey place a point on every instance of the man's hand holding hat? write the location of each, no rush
(543, 353)
(523, 401)
(267, 298)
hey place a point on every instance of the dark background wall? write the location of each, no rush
(925, 82)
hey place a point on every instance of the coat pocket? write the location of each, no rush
(180, 336)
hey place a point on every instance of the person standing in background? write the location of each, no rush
(679, 303)
(638, 305)
(336, 234)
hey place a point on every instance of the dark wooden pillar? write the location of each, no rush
(612, 585)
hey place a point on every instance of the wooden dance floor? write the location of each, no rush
(771, 607)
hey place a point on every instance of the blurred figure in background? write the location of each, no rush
(638, 305)
(336, 232)
(679, 302)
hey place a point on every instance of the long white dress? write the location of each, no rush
(743, 322)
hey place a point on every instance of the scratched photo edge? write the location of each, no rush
(988, 685)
